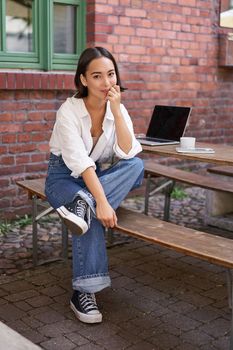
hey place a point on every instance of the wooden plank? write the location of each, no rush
(214, 249)
(222, 170)
(223, 154)
(194, 179)
(34, 186)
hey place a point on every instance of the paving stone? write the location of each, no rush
(39, 301)
(77, 339)
(182, 307)
(34, 336)
(32, 322)
(18, 286)
(24, 306)
(217, 328)
(50, 317)
(59, 343)
(143, 345)
(56, 329)
(90, 346)
(222, 343)
(38, 310)
(53, 291)
(113, 342)
(19, 326)
(180, 321)
(98, 331)
(9, 312)
(197, 337)
(160, 300)
(22, 295)
(165, 341)
(206, 314)
(3, 301)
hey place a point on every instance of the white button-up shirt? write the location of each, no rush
(71, 137)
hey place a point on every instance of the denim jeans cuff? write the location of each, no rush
(92, 284)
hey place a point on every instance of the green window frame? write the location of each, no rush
(43, 56)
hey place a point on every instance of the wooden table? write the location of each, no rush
(223, 156)
(223, 153)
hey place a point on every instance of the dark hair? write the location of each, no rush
(85, 59)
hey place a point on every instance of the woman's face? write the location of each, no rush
(99, 78)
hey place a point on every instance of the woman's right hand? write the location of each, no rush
(106, 214)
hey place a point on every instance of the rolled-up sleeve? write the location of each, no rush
(136, 146)
(74, 152)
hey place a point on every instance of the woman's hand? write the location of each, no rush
(106, 214)
(114, 97)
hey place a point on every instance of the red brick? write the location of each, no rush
(23, 159)
(8, 138)
(20, 83)
(7, 160)
(34, 127)
(40, 157)
(120, 30)
(146, 32)
(29, 81)
(135, 12)
(22, 148)
(36, 80)
(11, 81)
(2, 81)
(103, 9)
(39, 136)
(5, 117)
(24, 137)
(10, 127)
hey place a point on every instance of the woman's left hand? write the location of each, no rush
(114, 97)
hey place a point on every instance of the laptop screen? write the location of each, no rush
(168, 122)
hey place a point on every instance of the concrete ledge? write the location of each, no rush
(11, 340)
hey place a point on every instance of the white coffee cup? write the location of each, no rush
(187, 142)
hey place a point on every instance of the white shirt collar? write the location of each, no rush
(84, 112)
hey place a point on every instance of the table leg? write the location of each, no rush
(64, 241)
(34, 231)
(230, 301)
(167, 203)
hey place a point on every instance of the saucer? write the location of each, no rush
(194, 150)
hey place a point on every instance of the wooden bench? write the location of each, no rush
(208, 247)
(221, 170)
(219, 206)
(153, 169)
(36, 192)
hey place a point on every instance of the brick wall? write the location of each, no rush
(167, 53)
(28, 103)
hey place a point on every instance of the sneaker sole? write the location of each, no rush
(86, 318)
(72, 221)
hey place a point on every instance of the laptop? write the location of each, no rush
(167, 125)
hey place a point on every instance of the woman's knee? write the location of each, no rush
(138, 164)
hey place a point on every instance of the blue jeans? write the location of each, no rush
(90, 262)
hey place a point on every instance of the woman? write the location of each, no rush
(92, 127)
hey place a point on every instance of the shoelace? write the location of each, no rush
(82, 209)
(88, 302)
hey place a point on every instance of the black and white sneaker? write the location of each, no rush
(85, 307)
(76, 215)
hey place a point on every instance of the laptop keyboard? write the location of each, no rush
(154, 139)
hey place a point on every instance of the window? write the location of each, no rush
(226, 13)
(46, 35)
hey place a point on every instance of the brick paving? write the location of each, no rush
(159, 300)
